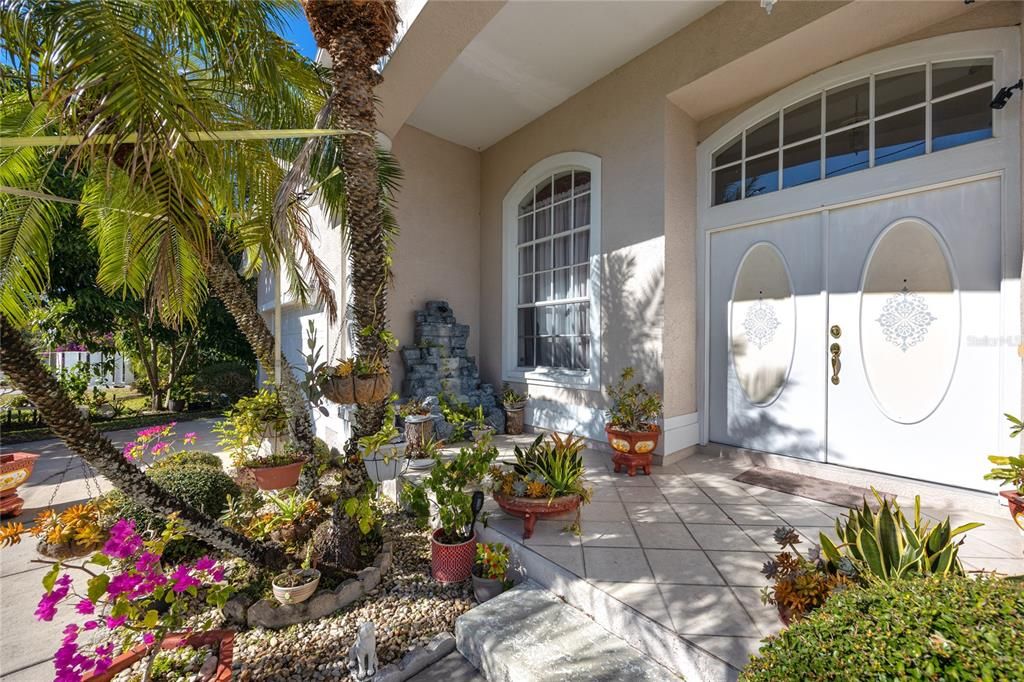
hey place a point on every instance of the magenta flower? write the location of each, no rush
(47, 607)
(123, 583)
(183, 579)
(114, 622)
(146, 562)
(160, 447)
(148, 638)
(85, 607)
(205, 563)
(123, 541)
(190, 438)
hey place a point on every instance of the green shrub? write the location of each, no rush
(936, 628)
(187, 458)
(203, 487)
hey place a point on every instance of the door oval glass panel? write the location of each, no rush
(909, 321)
(762, 323)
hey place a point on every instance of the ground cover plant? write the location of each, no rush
(935, 628)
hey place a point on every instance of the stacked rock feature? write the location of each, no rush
(439, 365)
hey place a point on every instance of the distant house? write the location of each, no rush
(803, 227)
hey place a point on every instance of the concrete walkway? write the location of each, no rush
(59, 478)
(671, 562)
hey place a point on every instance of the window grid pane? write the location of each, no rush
(744, 167)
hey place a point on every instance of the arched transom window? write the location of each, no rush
(552, 228)
(878, 119)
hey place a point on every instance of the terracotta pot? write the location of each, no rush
(300, 593)
(514, 420)
(486, 588)
(1016, 501)
(276, 478)
(633, 449)
(223, 642)
(451, 563)
(372, 389)
(15, 468)
(341, 390)
(529, 509)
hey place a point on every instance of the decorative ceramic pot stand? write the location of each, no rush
(15, 468)
(1016, 503)
(529, 509)
(633, 449)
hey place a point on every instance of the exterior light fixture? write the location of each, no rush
(1005, 93)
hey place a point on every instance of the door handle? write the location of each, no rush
(836, 363)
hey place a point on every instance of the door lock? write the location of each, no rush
(835, 331)
(837, 365)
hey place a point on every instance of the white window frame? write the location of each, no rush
(589, 379)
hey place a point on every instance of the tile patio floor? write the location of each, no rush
(684, 546)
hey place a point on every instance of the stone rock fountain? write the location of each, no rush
(439, 365)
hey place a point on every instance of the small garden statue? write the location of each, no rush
(362, 657)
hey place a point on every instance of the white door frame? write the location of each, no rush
(998, 156)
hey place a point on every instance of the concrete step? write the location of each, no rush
(451, 668)
(529, 635)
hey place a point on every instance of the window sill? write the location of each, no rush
(587, 381)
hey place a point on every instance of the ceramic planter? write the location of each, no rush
(451, 563)
(276, 478)
(341, 390)
(15, 468)
(515, 414)
(1016, 502)
(480, 433)
(372, 389)
(486, 588)
(176, 405)
(222, 641)
(529, 509)
(418, 429)
(379, 470)
(300, 593)
(633, 449)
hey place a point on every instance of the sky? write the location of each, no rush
(297, 31)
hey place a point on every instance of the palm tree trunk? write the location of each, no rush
(228, 287)
(20, 362)
(356, 35)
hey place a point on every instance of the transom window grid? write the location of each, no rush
(746, 152)
(553, 276)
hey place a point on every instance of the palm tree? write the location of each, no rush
(133, 81)
(357, 34)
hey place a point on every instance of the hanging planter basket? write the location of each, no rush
(372, 389)
(340, 390)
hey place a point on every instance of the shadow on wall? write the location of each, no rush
(632, 314)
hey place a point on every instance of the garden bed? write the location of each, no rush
(42, 433)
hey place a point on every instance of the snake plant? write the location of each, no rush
(888, 545)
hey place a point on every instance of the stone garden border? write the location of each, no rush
(269, 614)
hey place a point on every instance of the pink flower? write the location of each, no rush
(190, 438)
(123, 541)
(47, 607)
(205, 563)
(114, 622)
(146, 562)
(85, 607)
(123, 583)
(183, 579)
(91, 625)
(148, 638)
(128, 451)
(160, 447)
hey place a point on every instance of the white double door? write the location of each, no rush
(864, 335)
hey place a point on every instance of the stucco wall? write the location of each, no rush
(637, 120)
(437, 255)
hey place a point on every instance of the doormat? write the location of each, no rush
(839, 494)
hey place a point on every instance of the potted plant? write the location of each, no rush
(490, 572)
(15, 468)
(447, 488)
(480, 428)
(383, 453)
(296, 585)
(254, 431)
(546, 480)
(515, 409)
(372, 382)
(799, 583)
(632, 427)
(1010, 471)
(77, 531)
(418, 423)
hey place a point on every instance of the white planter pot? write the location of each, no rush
(378, 470)
(417, 418)
(297, 595)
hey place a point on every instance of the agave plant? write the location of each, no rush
(890, 547)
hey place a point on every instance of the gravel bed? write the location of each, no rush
(408, 609)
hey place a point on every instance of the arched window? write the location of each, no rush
(871, 121)
(552, 278)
